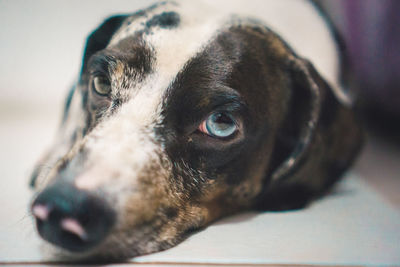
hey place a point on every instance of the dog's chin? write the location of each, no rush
(113, 250)
(98, 254)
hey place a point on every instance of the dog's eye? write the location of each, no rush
(219, 124)
(101, 85)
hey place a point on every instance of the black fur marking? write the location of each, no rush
(166, 20)
(171, 213)
(68, 103)
(100, 38)
(99, 64)
(203, 77)
(286, 197)
(306, 105)
(34, 176)
(238, 71)
(130, 52)
(329, 106)
(136, 54)
(115, 105)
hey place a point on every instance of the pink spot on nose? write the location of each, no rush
(40, 212)
(74, 227)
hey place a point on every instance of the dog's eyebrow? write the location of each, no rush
(99, 64)
(222, 97)
(184, 110)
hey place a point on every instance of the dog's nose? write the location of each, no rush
(70, 218)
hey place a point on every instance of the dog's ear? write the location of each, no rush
(100, 37)
(315, 144)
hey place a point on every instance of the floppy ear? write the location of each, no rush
(315, 144)
(100, 37)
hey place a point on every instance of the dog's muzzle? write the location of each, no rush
(73, 219)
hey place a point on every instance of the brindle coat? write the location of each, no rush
(138, 150)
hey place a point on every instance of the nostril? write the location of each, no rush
(72, 219)
(72, 226)
(40, 212)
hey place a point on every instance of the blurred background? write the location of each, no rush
(371, 32)
(41, 48)
(42, 42)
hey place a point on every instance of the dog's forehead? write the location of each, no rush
(174, 33)
(177, 30)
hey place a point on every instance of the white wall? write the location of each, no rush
(41, 43)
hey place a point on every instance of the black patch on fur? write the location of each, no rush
(278, 104)
(239, 73)
(99, 64)
(335, 144)
(68, 103)
(289, 133)
(100, 38)
(286, 197)
(166, 20)
(329, 106)
(290, 141)
(34, 176)
(171, 213)
(135, 53)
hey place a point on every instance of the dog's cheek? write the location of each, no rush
(159, 214)
(240, 181)
(148, 207)
(152, 194)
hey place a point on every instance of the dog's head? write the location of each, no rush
(178, 120)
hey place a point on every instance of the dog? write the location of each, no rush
(186, 112)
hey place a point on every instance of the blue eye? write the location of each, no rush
(219, 124)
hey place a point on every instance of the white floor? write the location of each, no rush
(353, 226)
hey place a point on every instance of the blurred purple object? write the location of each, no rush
(371, 29)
